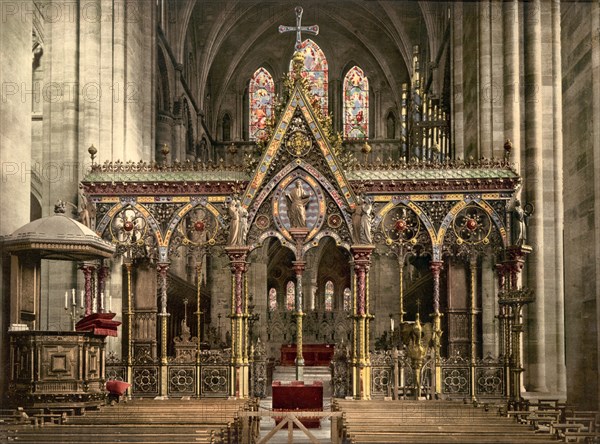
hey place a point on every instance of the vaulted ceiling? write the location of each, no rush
(229, 40)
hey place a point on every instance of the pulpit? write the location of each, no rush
(56, 369)
(295, 396)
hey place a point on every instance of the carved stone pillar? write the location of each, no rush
(162, 268)
(534, 191)
(361, 381)
(88, 269)
(239, 374)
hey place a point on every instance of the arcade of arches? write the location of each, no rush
(386, 186)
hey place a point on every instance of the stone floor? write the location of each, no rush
(281, 437)
(287, 374)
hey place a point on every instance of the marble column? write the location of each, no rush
(361, 377)
(512, 111)
(88, 269)
(239, 371)
(534, 194)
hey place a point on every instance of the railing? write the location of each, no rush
(394, 377)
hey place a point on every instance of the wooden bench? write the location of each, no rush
(428, 422)
(172, 421)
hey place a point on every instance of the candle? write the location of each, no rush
(81, 299)
(392, 323)
(94, 305)
(73, 297)
(101, 301)
(110, 303)
(66, 300)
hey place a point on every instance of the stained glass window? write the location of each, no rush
(329, 296)
(272, 299)
(261, 92)
(347, 299)
(290, 296)
(356, 104)
(316, 71)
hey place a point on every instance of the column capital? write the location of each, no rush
(362, 254)
(436, 266)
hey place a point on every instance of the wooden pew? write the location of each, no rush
(427, 422)
(146, 421)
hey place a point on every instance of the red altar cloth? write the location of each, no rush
(296, 396)
(314, 354)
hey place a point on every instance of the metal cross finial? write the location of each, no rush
(314, 29)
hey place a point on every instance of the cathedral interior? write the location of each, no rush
(195, 193)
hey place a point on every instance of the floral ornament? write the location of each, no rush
(129, 231)
(200, 228)
(401, 226)
(472, 226)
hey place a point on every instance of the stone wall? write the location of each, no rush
(581, 56)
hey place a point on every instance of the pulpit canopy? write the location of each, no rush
(58, 237)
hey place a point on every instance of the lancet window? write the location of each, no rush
(272, 299)
(316, 71)
(261, 92)
(356, 104)
(329, 296)
(290, 296)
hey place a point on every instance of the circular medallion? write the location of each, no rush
(199, 225)
(262, 222)
(334, 221)
(298, 144)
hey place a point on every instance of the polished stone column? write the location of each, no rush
(558, 197)
(88, 269)
(512, 112)
(534, 193)
(361, 381)
(239, 372)
(102, 274)
(162, 269)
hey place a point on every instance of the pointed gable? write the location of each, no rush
(281, 153)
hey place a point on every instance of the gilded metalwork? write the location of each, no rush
(145, 380)
(214, 381)
(298, 143)
(472, 225)
(182, 380)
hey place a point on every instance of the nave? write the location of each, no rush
(234, 421)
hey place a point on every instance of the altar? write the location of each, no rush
(295, 396)
(314, 354)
